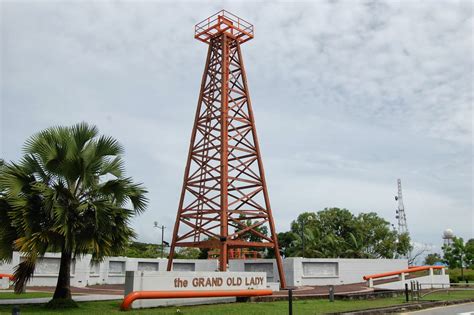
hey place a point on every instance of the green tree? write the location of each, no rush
(286, 242)
(379, 241)
(67, 194)
(203, 253)
(250, 235)
(188, 253)
(142, 250)
(335, 232)
(458, 254)
(470, 251)
(432, 259)
(306, 236)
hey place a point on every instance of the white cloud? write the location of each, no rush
(348, 97)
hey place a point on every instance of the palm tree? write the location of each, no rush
(353, 246)
(67, 194)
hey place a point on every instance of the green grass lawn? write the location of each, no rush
(452, 295)
(263, 308)
(27, 295)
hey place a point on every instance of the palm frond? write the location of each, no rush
(83, 133)
(107, 146)
(114, 166)
(137, 196)
(31, 165)
(8, 232)
(14, 179)
(23, 272)
(50, 146)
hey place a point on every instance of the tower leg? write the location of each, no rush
(274, 235)
(188, 164)
(224, 154)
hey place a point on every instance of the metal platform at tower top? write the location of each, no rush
(223, 22)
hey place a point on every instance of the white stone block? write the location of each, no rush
(4, 283)
(191, 281)
(274, 286)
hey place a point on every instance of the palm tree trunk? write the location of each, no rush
(63, 286)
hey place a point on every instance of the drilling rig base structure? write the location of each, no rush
(224, 201)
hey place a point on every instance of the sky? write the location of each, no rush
(348, 96)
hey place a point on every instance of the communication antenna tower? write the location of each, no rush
(401, 217)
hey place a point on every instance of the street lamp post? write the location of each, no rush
(162, 236)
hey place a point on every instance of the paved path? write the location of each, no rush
(78, 298)
(459, 309)
(107, 289)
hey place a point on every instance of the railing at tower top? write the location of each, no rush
(223, 22)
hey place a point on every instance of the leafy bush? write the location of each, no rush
(455, 275)
(469, 277)
(453, 279)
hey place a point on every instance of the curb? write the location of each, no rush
(404, 307)
(77, 298)
(354, 295)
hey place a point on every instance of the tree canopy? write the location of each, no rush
(335, 232)
(141, 250)
(432, 259)
(459, 254)
(67, 194)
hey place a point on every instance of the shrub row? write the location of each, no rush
(455, 275)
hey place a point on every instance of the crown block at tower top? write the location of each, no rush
(223, 22)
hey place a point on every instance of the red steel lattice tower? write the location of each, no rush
(224, 201)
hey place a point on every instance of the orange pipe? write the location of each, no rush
(139, 295)
(7, 275)
(394, 273)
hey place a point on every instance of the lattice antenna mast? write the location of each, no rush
(402, 220)
(224, 201)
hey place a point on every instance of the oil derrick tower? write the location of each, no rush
(402, 219)
(224, 184)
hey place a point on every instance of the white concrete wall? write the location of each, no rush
(110, 271)
(320, 271)
(298, 271)
(268, 266)
(47, 270)
(328, 271)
